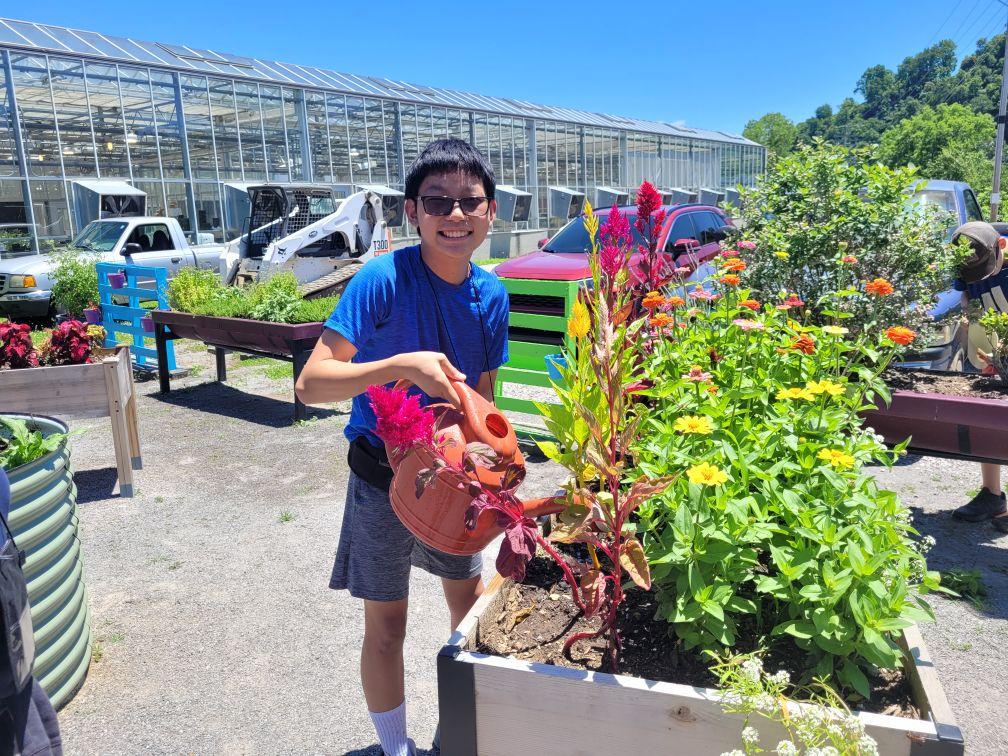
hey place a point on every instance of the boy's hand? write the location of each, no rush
(433, 374)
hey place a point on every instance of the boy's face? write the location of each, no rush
(456, 235)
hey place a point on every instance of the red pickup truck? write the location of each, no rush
(564, 257)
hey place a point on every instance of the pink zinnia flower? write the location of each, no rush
(749, 245)
(402, 422)
(697, 375)
(849, 259)
(699, 293)
(682, 270)
(748, 325)
(729, 253)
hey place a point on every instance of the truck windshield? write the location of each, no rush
(574, 238)
(941, 199)
(99, 237)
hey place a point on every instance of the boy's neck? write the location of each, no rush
(447, 269)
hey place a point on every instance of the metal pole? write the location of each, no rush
(999, 141)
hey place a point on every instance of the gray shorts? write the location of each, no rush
(376, 550)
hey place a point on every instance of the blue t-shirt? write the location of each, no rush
(990, 291)
(396, 304)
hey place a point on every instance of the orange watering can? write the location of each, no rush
(437, 516)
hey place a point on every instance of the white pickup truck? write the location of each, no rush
(25, 282)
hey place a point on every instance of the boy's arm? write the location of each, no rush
(330, 376)
(486, 385)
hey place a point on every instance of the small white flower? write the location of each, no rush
(786, 748)
(750, 736)
(752, 668)
(867, 746)
(780, 678)
(765, 702)
(736, 752)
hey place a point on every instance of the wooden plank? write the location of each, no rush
(120, 433)
(75, 390)
(520, 706)
(924, 679)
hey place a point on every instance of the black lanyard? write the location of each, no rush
(444, 324)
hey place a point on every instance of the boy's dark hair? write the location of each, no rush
(449, 156)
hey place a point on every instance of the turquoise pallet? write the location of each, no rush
(126, 319)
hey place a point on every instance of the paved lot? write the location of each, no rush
(217, 633)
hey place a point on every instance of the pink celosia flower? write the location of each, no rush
(748, 325)
(615, 230)
(648, 201)
(402, 422)
(611, 258)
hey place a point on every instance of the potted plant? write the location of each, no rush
(117, 280)
(74, 282)
(679, 408)
(92, 314)
(43, 518)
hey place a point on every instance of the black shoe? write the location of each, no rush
(1000, 523)
(983, 506)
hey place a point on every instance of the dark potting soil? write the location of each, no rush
(952, 384)
(537, 615)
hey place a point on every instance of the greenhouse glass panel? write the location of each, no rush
(107, 119)
(250, 131)
(318, 136)
(407, 125)
(339, 147)
(141, 136)
(199, 131)
(163, 87)
(35, 107)
(376, 141)
(359, 167)
(208, 209)
(155, 196)
(8, 150)
(52, 216)
(177, 197)
(225, 129)
(393, 136)
(294, 117)
(72, 116)
(271, 99)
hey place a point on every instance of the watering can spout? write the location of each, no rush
(546, 506)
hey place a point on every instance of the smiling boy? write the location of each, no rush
(426, 314)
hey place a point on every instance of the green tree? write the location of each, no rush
(921, 139)
(775, 131)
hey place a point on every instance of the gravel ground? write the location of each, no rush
(216, 632)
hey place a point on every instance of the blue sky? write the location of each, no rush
(712, 65)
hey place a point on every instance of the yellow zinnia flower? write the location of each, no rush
(836, 458)
(795, 393)
(825, 387)
(579, 323)
(782, 254)
(693, 424)
(706, 475)
(833, 330)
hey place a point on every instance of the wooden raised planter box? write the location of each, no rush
(282, 341)
(496, 706)
(946, 426)
(97, 389)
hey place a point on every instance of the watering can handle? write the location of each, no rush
(484, 422)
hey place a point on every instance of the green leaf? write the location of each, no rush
(851, 675)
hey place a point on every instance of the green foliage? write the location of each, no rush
(919, 140)
(776, 525)
(822, 204)
(278, 300)
(774, 131)
(75, 281)
(995, 325)
(968, 585)
(21, 442)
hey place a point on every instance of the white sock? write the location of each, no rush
(391, 728)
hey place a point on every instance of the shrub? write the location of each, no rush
(828, 219)
(775, 526)
(192, 289)
(69, 344)
(16, 347)
(74, 281)
(276, 299)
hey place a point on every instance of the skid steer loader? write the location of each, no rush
(307, 230)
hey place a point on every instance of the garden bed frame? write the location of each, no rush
(500, 706)
(940, 425)
(280, 341)
(97, 389)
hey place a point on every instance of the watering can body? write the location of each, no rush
(437, 516)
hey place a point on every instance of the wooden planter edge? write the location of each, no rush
(457, 691)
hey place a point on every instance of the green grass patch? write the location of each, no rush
(255, 361)
(279, 371)
(968, 584)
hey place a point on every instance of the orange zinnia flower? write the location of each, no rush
(660, 320)
(730, 279)
(752, 304)
(879, 287)
(675, 302)
(849, 259)
(653, 300)
(900, 335)
(734, 264)
(804, 344)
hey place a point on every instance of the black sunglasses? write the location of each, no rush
(434, 205)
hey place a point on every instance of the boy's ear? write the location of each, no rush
(410, 207)
(493, 210)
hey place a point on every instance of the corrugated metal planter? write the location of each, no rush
(44, 520)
